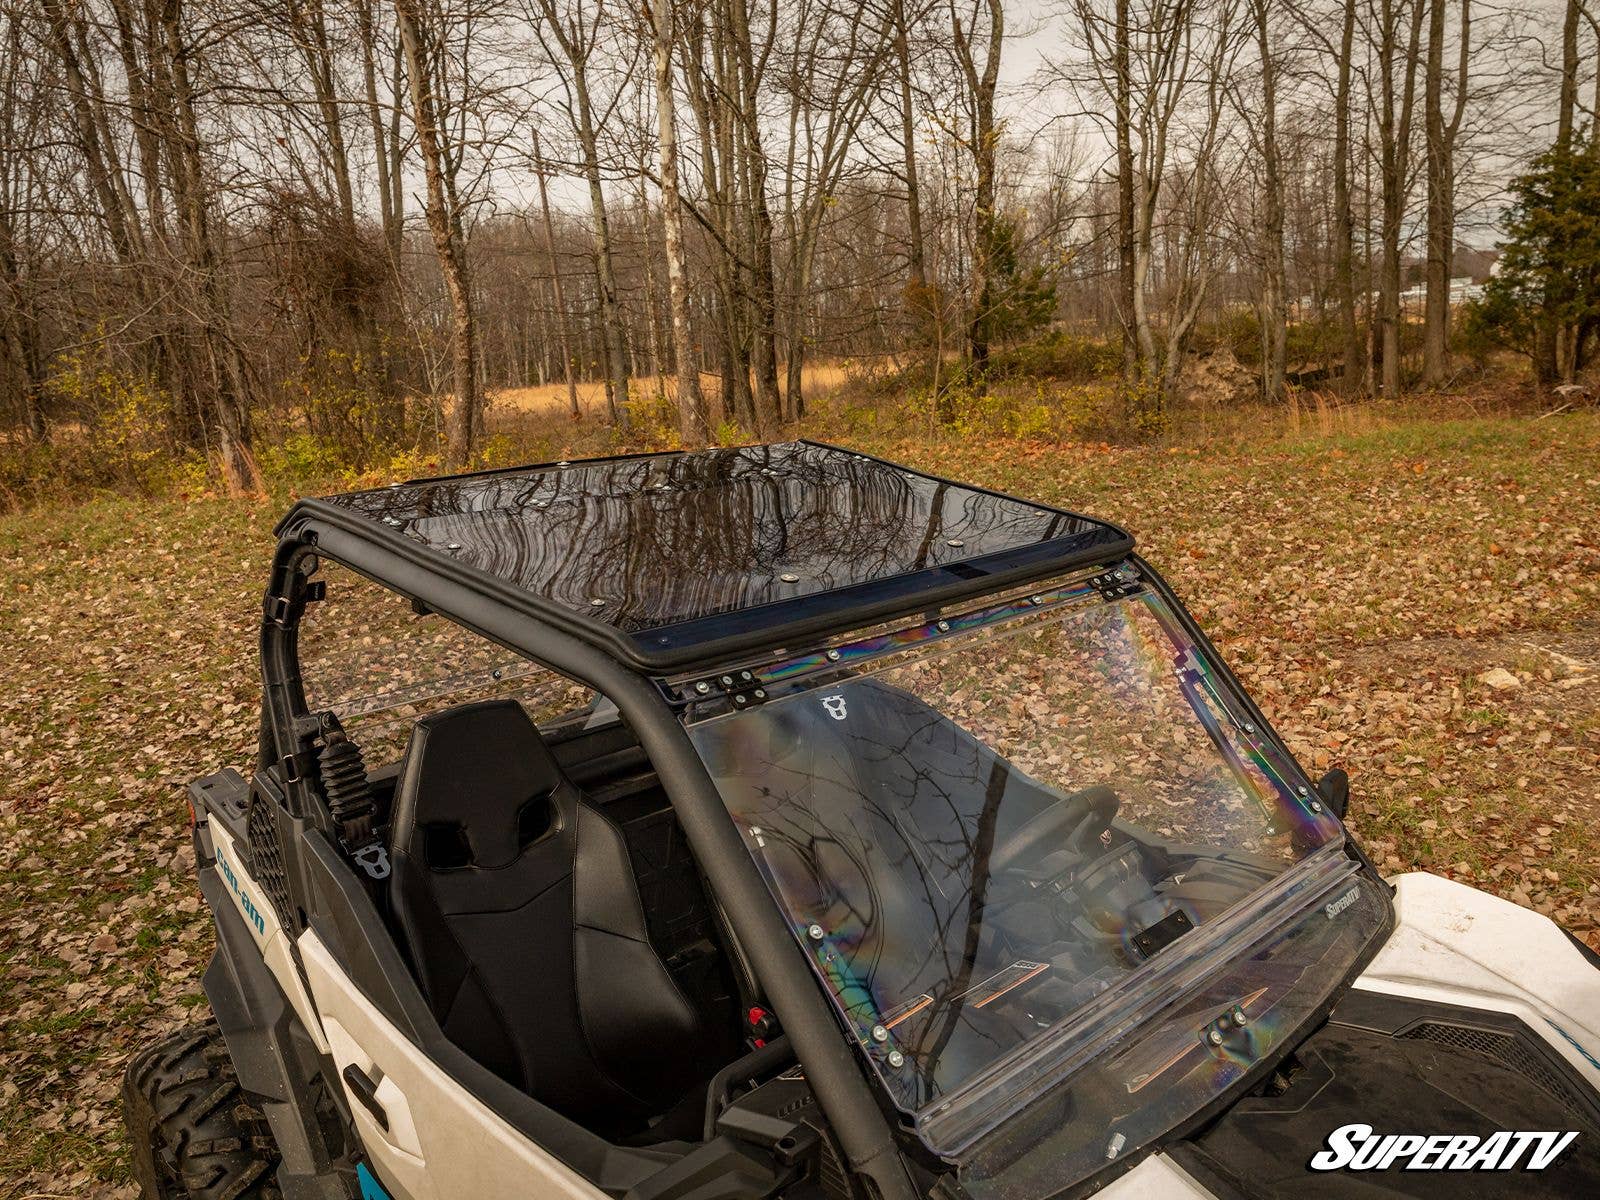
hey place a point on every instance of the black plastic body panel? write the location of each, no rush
(275, 1059)
(1407, 1067)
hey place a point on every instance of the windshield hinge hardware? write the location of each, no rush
(1117, 584)
(750, 698)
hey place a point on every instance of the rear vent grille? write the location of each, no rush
(1506, 1049)
(266, 859)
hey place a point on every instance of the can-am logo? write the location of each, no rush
(1358, 1148)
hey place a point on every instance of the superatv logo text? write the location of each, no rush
(1358, 1148)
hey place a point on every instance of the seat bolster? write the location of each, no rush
(605, 896)
(623, 986)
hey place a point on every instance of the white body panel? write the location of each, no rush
(442, 1141)
(263, 924)
(1156, 1178)
(1456, 945)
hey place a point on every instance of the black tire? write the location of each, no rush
(195, 1134)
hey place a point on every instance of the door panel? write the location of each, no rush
(442, 1141)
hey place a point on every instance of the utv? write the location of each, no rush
(778, 821)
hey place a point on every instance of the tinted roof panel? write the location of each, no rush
(673, 540)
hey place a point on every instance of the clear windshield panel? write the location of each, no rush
(989, 839)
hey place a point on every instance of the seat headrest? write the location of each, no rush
(475, 767)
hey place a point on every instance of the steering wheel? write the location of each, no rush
(1073, 821)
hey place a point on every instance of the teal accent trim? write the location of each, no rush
(371, 1189)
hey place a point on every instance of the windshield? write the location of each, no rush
(984, 838)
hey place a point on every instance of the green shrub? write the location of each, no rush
(1059, 354)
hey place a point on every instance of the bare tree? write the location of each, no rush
(422, 34)
(693, 418)
(1442, 129)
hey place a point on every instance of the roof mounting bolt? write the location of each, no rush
(833, 656)
(816, 933)
(1248, 728)
(880, 1034)
(746, 676)
(1036, 600)
(1316, 806)
(944, 626)
(788, 578)
(1115, 1145)
(896, 1059)
(395, 484)
(453, 546)
(740, 701)
(1214, 1037)
(1303, 790)
(1239, 1018)
(760, 693)
(726, 681)
(596, 602)
(563, 464)
(956, 542)
(702, 688)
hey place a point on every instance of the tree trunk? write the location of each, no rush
(693, 419)
(1344, 269)
(1274, 327)
(908, 140)
(444, 223)
(564, 324)
(618, 374)
(1394, 130)
(1127, 298)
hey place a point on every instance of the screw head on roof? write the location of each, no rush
(896, 1059)
(563, 464)
(702, 687)
(395, 484)
(816, 933)
(944, 626)
(880, 1034)
(1316, 806)
(453, 546)
(1214, 1037)
(956, 542)
(1239, 1018)
(1249, 728)
(833, 656)
(1303, 790)
(789, 578)
(597, 602)
(1035, 600)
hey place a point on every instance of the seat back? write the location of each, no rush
(517, 906)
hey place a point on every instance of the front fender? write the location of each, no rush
(1457, 945)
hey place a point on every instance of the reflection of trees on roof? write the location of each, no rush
(667, 538)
